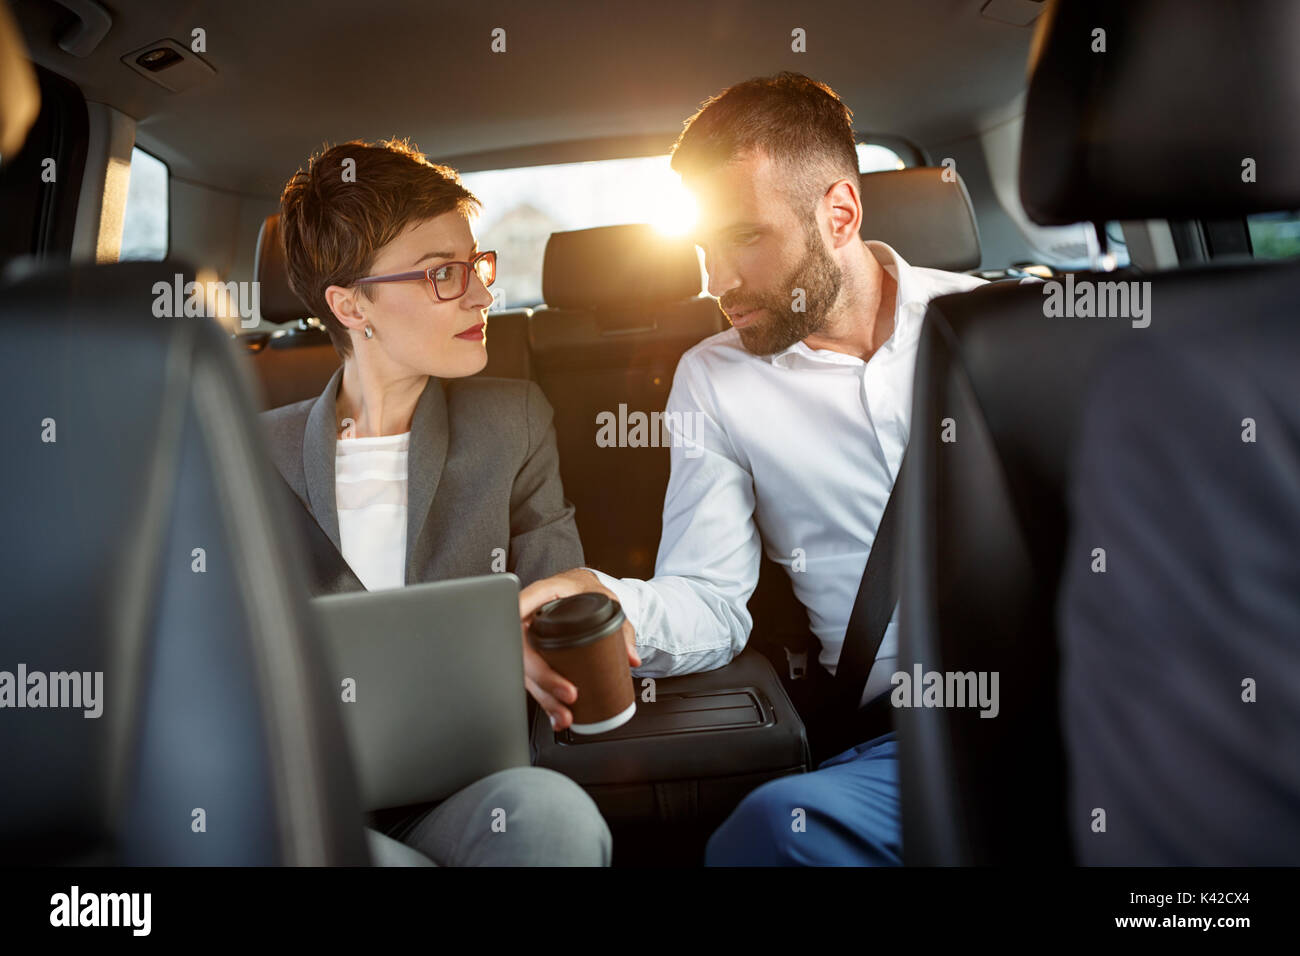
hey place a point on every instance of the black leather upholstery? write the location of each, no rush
(1158, 125)
(1187, 478)
(986, 525)
(636, 309)
(927, 219)
(214, 697)
(985, 532)
(612, 268)
(507, 344)
(279, 302)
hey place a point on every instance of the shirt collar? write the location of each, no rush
(909, 308)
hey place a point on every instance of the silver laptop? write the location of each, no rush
(436, 693)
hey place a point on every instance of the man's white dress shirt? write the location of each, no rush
(802, 446)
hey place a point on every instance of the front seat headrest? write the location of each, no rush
(925, 216)
(278, 300)
(618, 267)
(1162, 109)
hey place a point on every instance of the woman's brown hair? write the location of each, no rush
(350, 201)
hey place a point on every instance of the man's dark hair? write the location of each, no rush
(797, 121)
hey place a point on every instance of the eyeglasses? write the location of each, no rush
(449, 280)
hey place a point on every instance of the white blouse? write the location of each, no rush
(370, 493)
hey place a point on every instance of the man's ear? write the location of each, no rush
(844, 207)
(343, 303)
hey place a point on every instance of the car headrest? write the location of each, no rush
(20, 97)
(925, 215)
(278, 300)
(1162, 109)
(617, 267)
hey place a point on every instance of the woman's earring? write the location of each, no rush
(369, 332)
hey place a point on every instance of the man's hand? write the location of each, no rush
(548, 688)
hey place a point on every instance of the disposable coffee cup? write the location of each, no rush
(581, 638)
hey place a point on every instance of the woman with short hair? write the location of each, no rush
(414, 470)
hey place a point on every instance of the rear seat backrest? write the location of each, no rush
(294, 364)
(623, 304)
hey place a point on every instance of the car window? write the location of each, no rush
(874, 158)
(145, 226)
(1069, 248)
(523, 206)
(1274, 235)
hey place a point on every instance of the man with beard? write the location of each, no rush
(803, 412)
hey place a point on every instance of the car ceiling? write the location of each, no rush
(291, 76)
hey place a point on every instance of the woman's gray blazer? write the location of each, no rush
(483, 482)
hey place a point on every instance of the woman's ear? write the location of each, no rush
(343, 303)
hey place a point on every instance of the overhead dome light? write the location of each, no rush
(169, 64)
(159, 58)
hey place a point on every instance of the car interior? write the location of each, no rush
(157, 139)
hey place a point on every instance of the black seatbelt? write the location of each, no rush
(872, 608)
